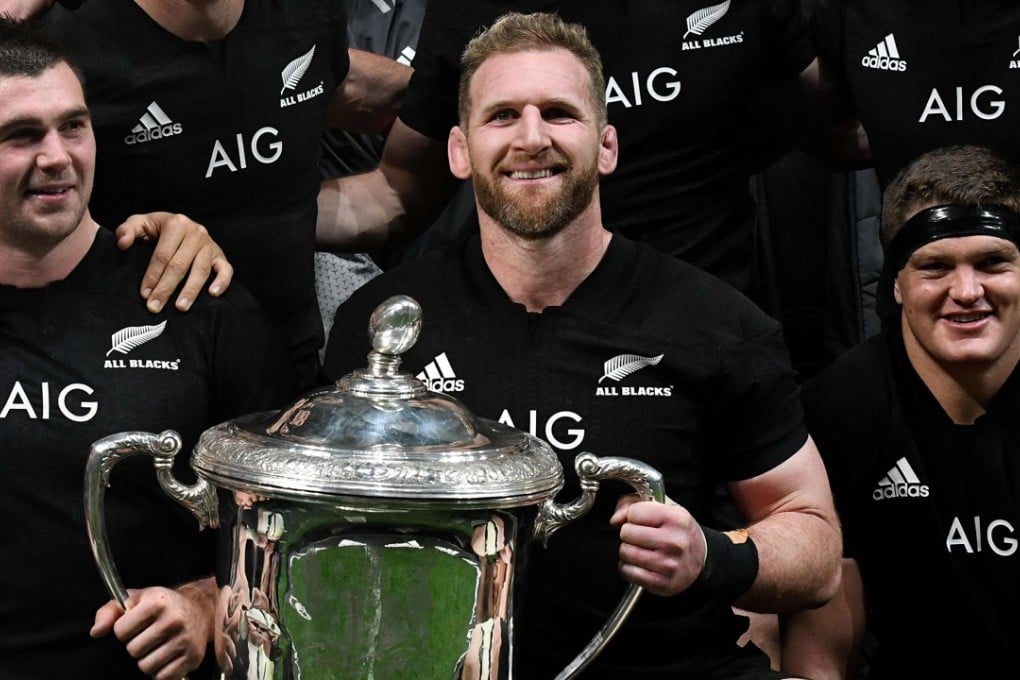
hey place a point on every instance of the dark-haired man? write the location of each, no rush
(81, 358)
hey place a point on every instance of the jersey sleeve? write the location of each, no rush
(825, 20)
(430, 105)
(793, 49)
(760, 418)
(251, 369)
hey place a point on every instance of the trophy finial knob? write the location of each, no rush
(394, 325)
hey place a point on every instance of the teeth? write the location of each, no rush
(535, 174)
(965, 318)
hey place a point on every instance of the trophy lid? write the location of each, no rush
(379, 437)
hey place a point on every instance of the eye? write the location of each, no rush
(504, 115)
(557, 114)
(995, 263)
(21, 135)
(75, 125)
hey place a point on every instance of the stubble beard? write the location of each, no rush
(536, 215)
(39, 231)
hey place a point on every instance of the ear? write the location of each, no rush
(457, 153)
(609, 150)
(896, 291)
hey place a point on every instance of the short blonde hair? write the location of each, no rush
(516, 32)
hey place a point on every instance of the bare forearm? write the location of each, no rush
(358, 212)
(794, 526)
(796, 554)
(826, 643)
(370, 97)
(396, 201)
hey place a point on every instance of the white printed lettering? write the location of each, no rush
(268, 154)
(78, 411)
(980, 106)
(999, 535)
(576, 436)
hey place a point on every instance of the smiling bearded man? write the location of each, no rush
(523, 320)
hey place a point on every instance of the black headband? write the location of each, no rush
(934, 224)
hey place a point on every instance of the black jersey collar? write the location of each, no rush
(600, 294)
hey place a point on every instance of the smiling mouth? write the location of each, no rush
(49, 191)
(968, 318)
(531, 174)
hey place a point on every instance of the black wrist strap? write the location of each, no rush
(729, 570)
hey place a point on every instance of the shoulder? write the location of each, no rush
(868, 359)
(689, 302)
(96, 31)
(433, 280)
(278, 14)
(125, 268)
(855, 397)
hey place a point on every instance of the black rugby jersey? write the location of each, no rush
(927, 74)
(227, 132)
(679, 75)
(649, 358)
(81, 359)
(929, 510)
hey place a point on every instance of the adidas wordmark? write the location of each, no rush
(884, 56)
(900, 482)
(154, 124)
(438, 376)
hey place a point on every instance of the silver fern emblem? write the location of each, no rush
(127, 339)
(294, 70)
(619, 367)
(703, 18)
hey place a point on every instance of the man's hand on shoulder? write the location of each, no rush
(184, 249)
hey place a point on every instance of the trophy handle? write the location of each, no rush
(200, 498)
(647, 482)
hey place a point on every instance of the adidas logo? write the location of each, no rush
(438, 376)
(154, 124)
(884, 56)
(900, 482)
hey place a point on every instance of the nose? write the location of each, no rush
(532, 133)
(52, 155)
(966, 285)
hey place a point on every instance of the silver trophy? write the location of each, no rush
(375, 528)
